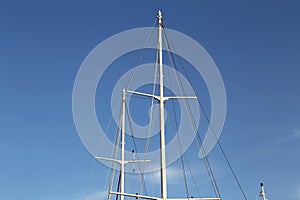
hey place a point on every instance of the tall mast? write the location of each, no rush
(161, 98)
(163, 169)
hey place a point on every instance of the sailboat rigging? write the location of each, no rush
(162, 98)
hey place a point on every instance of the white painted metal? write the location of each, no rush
(108, 159)
(158, 97)
(123, 145)
(143, 94)
(198, 198)
(158, 198)
(163, 168)
(179, 97)
(122, 161)
(135, 195)
(119, 161)
(161, 98)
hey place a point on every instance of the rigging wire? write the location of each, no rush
(118, 186)
(152, 181)
(115, 156)
(179, 143)
(129, 83)
(142, 169)
(207, 164)
(210, 126)
(90, 179)
(110, 121)
(141, 55)
(181, 159)
(193, 178)
(94, 160)
(151, 112)
(182, 155)
(176, 122)
(135, 145)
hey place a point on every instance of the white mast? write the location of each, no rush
(161, 98)
(163, 169)
(123, 145)
(122, 160)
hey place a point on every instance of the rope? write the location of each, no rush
(179, 145)
(142, 169)
(94, 160)
(151, 114)
(115, 156)
(90, 180)
(128, 85)
(187, 106)
(218, 142)
(149, 129)
(141, 55)
(118, 187)
(135, 146)
(193, 178)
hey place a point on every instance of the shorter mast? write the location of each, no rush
(123, 145)
(122, 160)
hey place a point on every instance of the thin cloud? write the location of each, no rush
(173, 175)
(99, 195)
(95, 196)
(297, 193)
(295, 135)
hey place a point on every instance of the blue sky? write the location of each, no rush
(255, 45)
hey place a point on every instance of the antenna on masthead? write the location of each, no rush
(159, 14)
(262, 191)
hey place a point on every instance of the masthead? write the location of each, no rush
(159, 15)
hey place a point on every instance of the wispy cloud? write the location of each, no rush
(297, 193)
(94, 196)
(295, 135)
(174, 174)
(98, 195)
